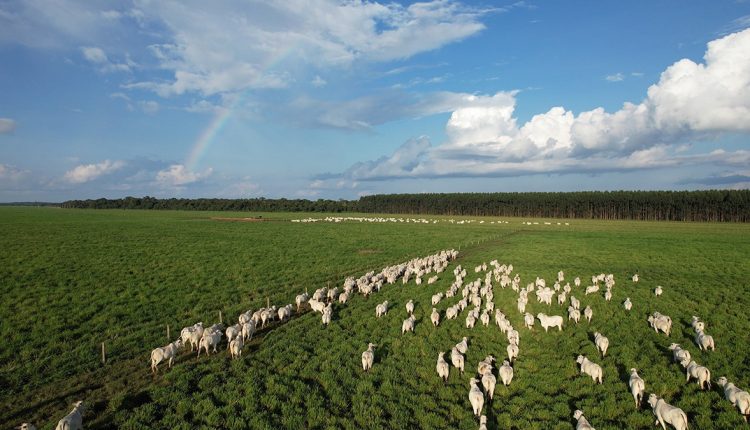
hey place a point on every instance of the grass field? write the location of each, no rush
(72, 279)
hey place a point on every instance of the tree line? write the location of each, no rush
(240, 205)
(710, 205)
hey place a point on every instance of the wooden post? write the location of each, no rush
(221, 319)
(168, 336)
(306, 290)
(104, 355)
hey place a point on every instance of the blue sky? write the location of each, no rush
(325, 99)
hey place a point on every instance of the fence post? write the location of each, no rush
(104, 355)
(268, 302)
(221, 319)
(168, 337)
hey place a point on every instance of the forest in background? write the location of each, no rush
(710, 205)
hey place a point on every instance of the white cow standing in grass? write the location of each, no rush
(550, 321)
(235, 347)
(211, 338)
(637, 387)
(738, 397)
(168, 352)
(368, 357)
(476, 397)
(666, 413)
(74, 419)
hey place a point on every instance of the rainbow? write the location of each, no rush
(208, 136)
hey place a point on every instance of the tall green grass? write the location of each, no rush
(72, 279)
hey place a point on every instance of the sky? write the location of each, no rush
(340, 99)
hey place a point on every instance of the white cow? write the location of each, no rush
(235, 347)
(168, 352)
(368, 357)
(739, 398)
(582, 423)
(590, 368)
(476, 397)
(506, 373)
(637, 387)
(457, 359)
(74, 419)
(210, 339)
(550, 321)
(442, 367)
(666, 413)
(602, 343)
(300, 300)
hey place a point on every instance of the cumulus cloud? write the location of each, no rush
(7, 125)
(690, 102)
(237, 45)
(88, 172)
(710, 96)
(177, 175)
(483, 121)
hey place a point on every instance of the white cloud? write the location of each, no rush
(99, 58)
(318, 82)
(111, 15)
(483, 120)
(94, 55)
(203, 106)
(691, 102)
(89, 172)
(232, 46)
(178, 175)
(710, 96)
(119, 95)
(365, 112)
(737, 24)
(404, 162)
(11, 173)
(45, 24)
(150, 107)
(7, 125)
(617, 77)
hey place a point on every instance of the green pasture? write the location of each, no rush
(73, 279)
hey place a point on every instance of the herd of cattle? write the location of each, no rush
(476, 300)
